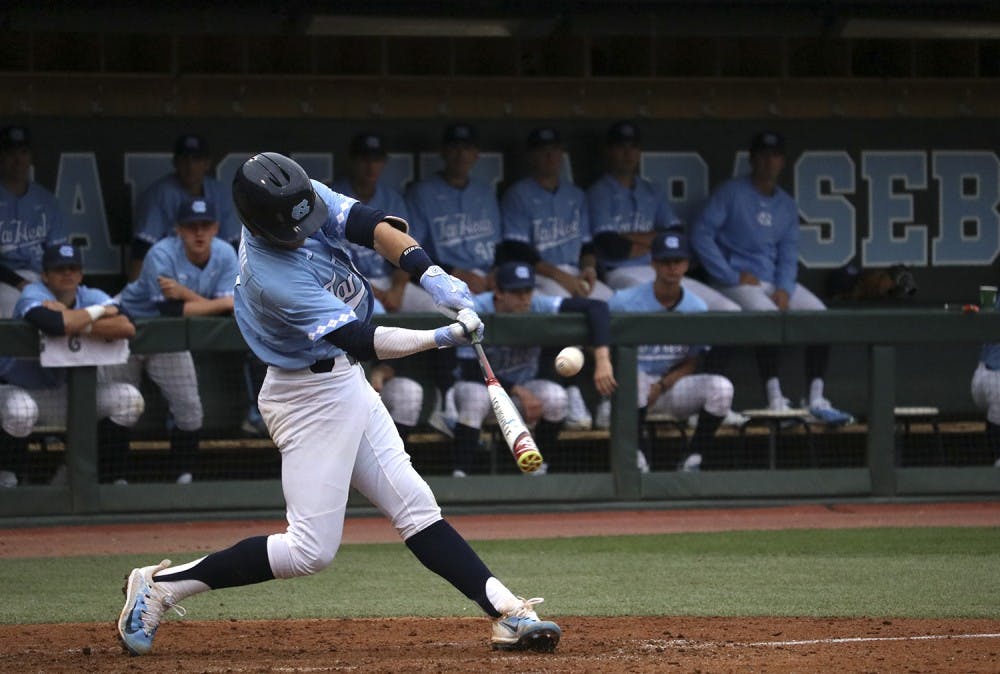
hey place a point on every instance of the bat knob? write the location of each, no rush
(529, 461)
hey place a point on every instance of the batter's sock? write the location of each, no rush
(245, 563)
(443, 550)
(464, 447)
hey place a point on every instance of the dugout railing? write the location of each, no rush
(874, 336)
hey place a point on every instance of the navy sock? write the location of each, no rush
(245, 563)
(443, 550)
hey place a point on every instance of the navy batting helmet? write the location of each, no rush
(276, 199)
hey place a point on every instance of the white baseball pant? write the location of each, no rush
(473, 401)
(758, 298)
(548, 286)
(21, 409)
(404, 398)
(334, 433)
(689, 395)
(986, 392)
(173, 373)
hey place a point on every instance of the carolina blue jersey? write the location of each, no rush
(287, 300)
(555, 224)
(658, 359)
(367, 261)
(29, 373)
(741, 229)
(512, 364)
(167, 258)
(457, 227)
(28, 224)
(156, 213)
(615, 208)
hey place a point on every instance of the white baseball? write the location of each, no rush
(569, 361)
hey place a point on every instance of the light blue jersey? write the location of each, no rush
(167, 258)
(741, 229)
(28, 373)
(658, 359)
(512, 364)
(156, 213)
(458, 227)
(615, 208)
(369, 263)
(555, 224)
(28, 224)
(287, 300)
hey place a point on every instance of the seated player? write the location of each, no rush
(542, 403)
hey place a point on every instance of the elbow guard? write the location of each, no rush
(360, 225)
(356, 339)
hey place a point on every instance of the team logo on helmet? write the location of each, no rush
(300, 210)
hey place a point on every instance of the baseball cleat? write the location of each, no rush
(822, 411)
(520, 629)
(145, 601)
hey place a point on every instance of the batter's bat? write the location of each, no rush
(515, 432)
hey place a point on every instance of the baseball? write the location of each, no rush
(569, 361)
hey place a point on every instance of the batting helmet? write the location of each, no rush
(276, 199)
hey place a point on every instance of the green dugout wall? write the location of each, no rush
(882, 357)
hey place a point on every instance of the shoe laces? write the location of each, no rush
(525, 608)
(157, 601)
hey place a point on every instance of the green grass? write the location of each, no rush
(918, 572)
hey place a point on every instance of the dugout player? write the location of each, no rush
(545, 223)
(986, 392)
(455, 216)
(626, 213)
(30, 218)
(542, 403)
(59, 305)
(367, 158)
(159, 204)
(191, 274)
(304, 310)
(667, 379)
(747, 238)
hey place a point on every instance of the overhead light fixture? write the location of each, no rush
(916, 29)
(329, 24)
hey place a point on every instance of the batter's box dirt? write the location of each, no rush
(462, 645)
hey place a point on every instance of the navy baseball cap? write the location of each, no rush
(62, 255)
(622, 132)
(196, 210)
(190, 145)
(670, 245)
(455, 134)
(767, 140)
(367, 144)
(542, 136)
(13, 137)
(515, 276)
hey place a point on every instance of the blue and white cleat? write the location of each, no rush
(145, 602)
(520, 629)
(823, 412)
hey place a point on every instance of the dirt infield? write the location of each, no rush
(630, 644)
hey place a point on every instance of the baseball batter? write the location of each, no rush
(545, 223)
(303, 309)
(30, 218)
(747, 237)
(627, 211)
(190, 274)
(667, 377)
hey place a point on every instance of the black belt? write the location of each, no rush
(326, 365)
